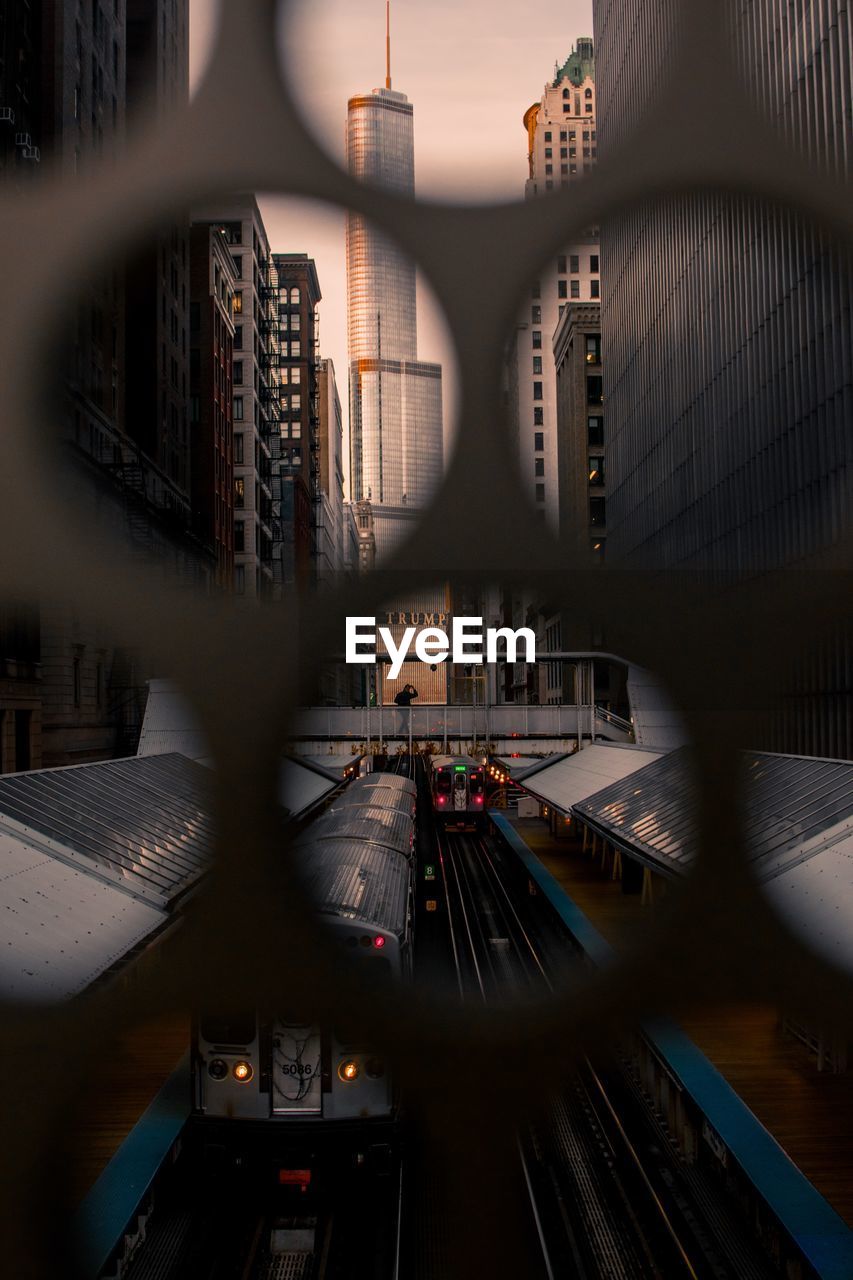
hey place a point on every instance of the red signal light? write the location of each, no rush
(379, 941)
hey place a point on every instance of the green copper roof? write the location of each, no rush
(579, 64)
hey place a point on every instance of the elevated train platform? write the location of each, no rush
(789, 1125)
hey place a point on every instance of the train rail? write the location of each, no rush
(605, 1198)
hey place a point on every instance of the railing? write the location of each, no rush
(480, 724)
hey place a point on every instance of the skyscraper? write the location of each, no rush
(561, 149)
(396, 449)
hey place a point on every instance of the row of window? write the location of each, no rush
(570, 135)
(566, 166)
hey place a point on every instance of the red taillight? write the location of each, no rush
(440, 799)
(379, 941)
(477, 799)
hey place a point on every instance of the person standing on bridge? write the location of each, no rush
(404, 701)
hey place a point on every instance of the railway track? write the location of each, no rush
(605, 1202)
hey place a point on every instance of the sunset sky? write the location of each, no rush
(471, 70)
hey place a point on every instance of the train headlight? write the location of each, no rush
(217, 1069)
(242, 1071)
(349, 1071)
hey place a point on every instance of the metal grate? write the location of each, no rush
(705, 133)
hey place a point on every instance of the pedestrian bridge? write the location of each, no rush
(458, 727)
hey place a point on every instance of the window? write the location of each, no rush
(238, 337)
(536, 315)
(564, 153)
(539, 441)
(564, 169)
(238, 409)
(567, 107)
(595, 430)
(593, 348)
(536, 292)
(238, 448)
(576, 289)
(78, 680)
(539, 466)
(588, 108)
(561, 264)
(239, 492)
(597, 512)
(565, 93)
(239, 536)
(594, 391)
(537, 364)
(239, 579)
(237, 259)
(596, 469)
(237, 302)
(563, 289)
(548, 135)
(295, 297)
(295, 349)
(540, 493)
(538, 417)
(595, 288)
(549, 168)
(563, 135)
(537, 391)
(238, 370)
(575, 263)
(548, 153)
(537, 339)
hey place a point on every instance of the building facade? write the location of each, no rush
(20, 92)
(582, 470)
(731, 453)
(256, 395)
(296, 444)
(562, 147)
(395, 399)
(213, 280)
(330, 530)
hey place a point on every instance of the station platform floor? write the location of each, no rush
(809, 1113)
(137, 1066)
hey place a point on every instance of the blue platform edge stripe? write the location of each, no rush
(821, 1235)
(108, 1208)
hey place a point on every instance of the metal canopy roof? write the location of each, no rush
(795, 807)
(301, 786)
(570, 779)
(143, 819)
(352, 879)
(816, 897)
(169, 725)
(61, 926)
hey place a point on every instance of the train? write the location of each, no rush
(297, 1077)
(457, 787)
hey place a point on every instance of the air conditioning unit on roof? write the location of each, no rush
(23, 140)
(7, 115)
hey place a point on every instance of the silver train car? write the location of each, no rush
(357, 865)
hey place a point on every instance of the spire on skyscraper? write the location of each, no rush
(387, 44)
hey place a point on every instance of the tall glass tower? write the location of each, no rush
(396, 449)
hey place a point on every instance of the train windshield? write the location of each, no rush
(227, 1028)
(476, 784)
(442, 781)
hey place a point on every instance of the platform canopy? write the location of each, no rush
(62, 926)
(567, 780)
(144, 824)
(799, 833)
(170, 726)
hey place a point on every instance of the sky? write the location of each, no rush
(471, 68)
